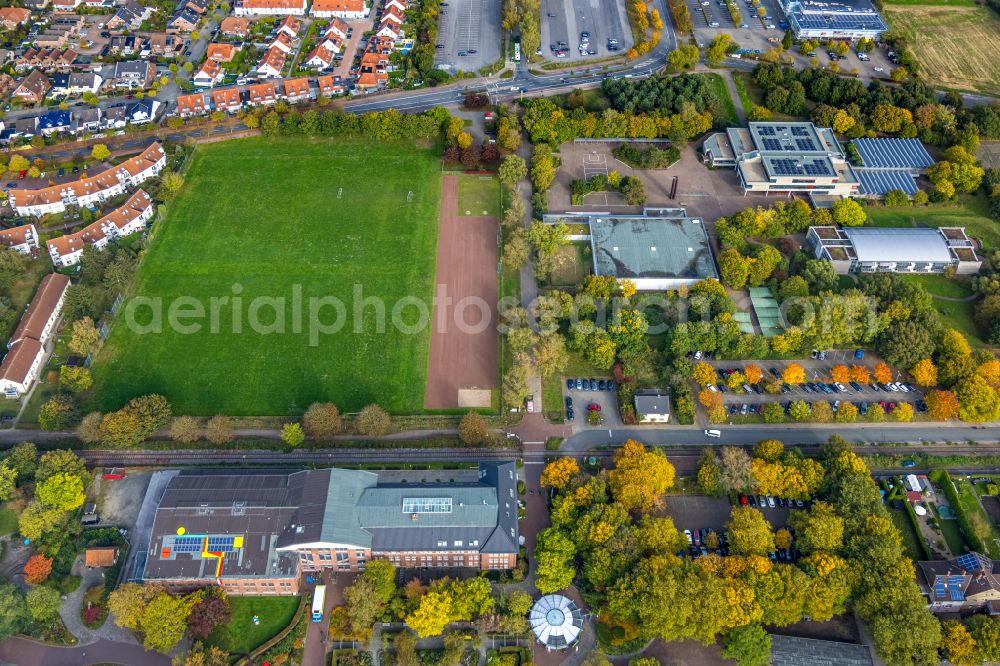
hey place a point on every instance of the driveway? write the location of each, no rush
(318, 633)
(24, 652)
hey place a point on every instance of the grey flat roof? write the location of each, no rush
(902, 244)
(651, 247)
(879, 181)
(893, 153)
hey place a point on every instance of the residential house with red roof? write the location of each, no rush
(33, 88)
(330, 85)
(270, 7)
(290, 26)
(12, 17)
(262, 94)
(26, 354)
(345, 9)
(297, 90)
(337, 28)
(131, 217)
(227, 100)
(209, 74)
(221, 52)
(272, 63)
(282, 42)
(23, 239)
(235, 26)
(321, 57)
(191, 105)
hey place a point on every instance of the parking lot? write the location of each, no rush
(563, 21)
(698, 512)
(606, 399)
(469, 33)
(748, 400)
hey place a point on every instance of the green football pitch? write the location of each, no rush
(289, 226)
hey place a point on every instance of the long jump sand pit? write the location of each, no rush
(463, 350)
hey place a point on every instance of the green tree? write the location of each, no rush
(23, 458)
(61, 491)
(59, 413)
(511, 171)
(100, 152)
(819, 528)
(554, 553)
(292, 435)
(43, 603)
(734, 268)
(849, 213)
(640, 476)
(171, 183)
(749, 533)
(14, 615)
(8, 481)
(977, 400)
(719, 48)
(164, 620)
(75, 378)
(747, 646)
(432, 615)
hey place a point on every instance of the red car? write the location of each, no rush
(593, 407)
(743, 500)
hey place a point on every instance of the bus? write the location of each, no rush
(517, 51)
(319, 597)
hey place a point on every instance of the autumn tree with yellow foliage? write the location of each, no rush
(558, 473)
(640, 476)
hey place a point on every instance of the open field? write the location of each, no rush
(940, 36)
(241, 635)
(263, 240)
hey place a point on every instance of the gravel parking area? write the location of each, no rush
(564, 21)
(120, 500)
(470, 33)
(695, 512)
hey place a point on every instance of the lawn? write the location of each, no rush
(908, 532)
(972, 214)
(937, 34)
(8, 520)
(953, 536)
(939, 285)
(267, 238)
(241, 635)
(971, 504)
(573, 262)
(478, 195)
(722, 92)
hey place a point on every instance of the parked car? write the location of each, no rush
(602, 385)
(570, 384)
(611, 385)
(582, 384)
(593, 384)
(593, 407)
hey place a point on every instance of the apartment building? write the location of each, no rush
(26, 348)
(130, 218)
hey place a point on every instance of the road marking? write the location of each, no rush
(534, 462)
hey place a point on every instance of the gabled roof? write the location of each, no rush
(235, 25)
(18, 235)
(296, 87)
(323, 53)
(100, 557)
(226, 97)
(191, 103)
(35, 83)
(221, 52)
(50, 290)
(351, 6)
(211, 69)
(19, 359)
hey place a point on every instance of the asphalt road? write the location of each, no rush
(791, 435)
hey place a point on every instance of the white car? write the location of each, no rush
(841, 387)
(712, 388)
(893, 387)
(902, 387)
(770, 502)
(713, 433)
(878, 69)
(687, 534)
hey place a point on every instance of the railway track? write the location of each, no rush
(683, 458)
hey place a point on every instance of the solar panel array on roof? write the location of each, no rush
(876, 182)
(772, 144)
(893, 153)
(789, 167)
(969, 562)
(766, 130)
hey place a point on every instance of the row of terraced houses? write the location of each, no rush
(234, 100)
(344, 9)
(91, 191)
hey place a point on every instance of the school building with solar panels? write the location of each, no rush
(260, 533)
(843, 19)
(899, 250)
(784, 158)
(890, 164)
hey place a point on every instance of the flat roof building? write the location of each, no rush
(838, 19)
(784, 158)
(255, 533)
(900, 250)
(659, 249)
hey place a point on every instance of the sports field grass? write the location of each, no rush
(478, 195)
(941, 36)
(268, 219)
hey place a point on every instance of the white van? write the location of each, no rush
(713, 433)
